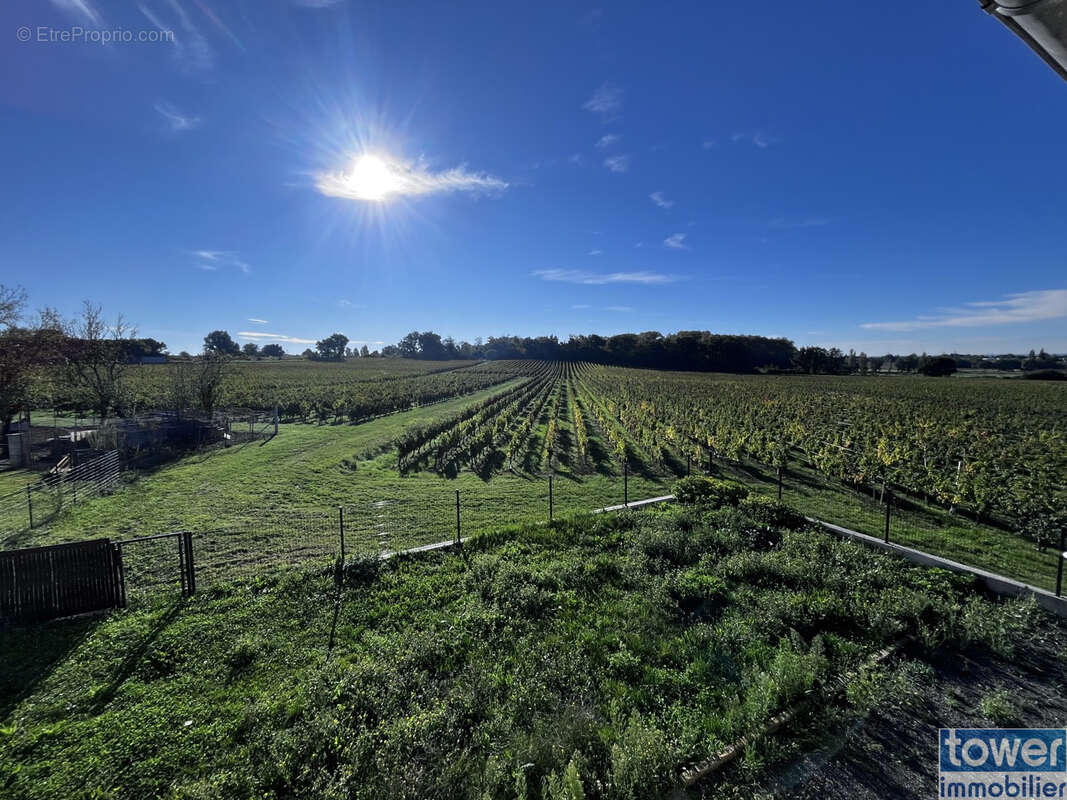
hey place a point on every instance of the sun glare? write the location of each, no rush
(371, 178)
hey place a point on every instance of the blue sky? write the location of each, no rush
(863, 175)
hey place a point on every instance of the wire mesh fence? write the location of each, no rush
(907, 520)
(398, 521)
(152, 565)
(75, 478)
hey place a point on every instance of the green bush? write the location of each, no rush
(692, 589)
(360, 569)
(642, 761)
(770, 512)
(709, 491)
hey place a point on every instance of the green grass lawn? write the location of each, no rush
(601, 655)
(320, 467)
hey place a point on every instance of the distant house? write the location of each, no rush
(160, 359)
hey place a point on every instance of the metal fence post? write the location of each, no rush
(458, 537)
(550, 510)
(888, 506)
(626, 482)
(29, 503)
(190, 563)
(341, 522)
(1059, 565)
(183, 572)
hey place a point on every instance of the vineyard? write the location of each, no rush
(354, 390)
(975, 469)
(997, 449)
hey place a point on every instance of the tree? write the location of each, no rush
(408, 347)
(210, 380)
(938, 367)
(907, 363)
(811, 359)
(272, 351)
(22, 350)
(97, 354)
(332, 348)
(1041, 360)
(251, 350)
(364, 352)
(221, 343)
(12, 303)
(308, 353)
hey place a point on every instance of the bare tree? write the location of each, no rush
(210, 378)
(97, 356)
(182, 391)
(12, 303)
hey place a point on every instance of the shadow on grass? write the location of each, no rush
(130, 662)
(31, 654)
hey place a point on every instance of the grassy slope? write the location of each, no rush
(630, 645)
(913, 523)
(304, 467)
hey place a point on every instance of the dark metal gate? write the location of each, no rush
(154, 564)
(42, 583)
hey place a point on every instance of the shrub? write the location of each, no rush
(770, 512)
(692, 589)
(360, 569)
(999, 708)
(642, 761)
(708, 491)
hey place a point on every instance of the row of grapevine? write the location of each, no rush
(471, 438)
(1004, 452)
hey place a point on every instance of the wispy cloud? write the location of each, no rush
(81, 10)
(398, 178)
(220, 259)
(707, 144)
(619, 163)
(259, 321)
(676, 241)
(176, 120)
(599, 278)
(760, 139)
(606, 101)
(660, 200)
(608, 140)
(586, 307)
(275, 337)
(577, 159)
(192, 53)
(1015, 308)
(596, 252)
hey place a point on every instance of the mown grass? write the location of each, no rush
(605, 652)
(309, 466)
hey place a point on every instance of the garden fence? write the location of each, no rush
(181, 561)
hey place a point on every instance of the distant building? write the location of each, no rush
(160, 359)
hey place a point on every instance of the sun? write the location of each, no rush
(371, 178)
